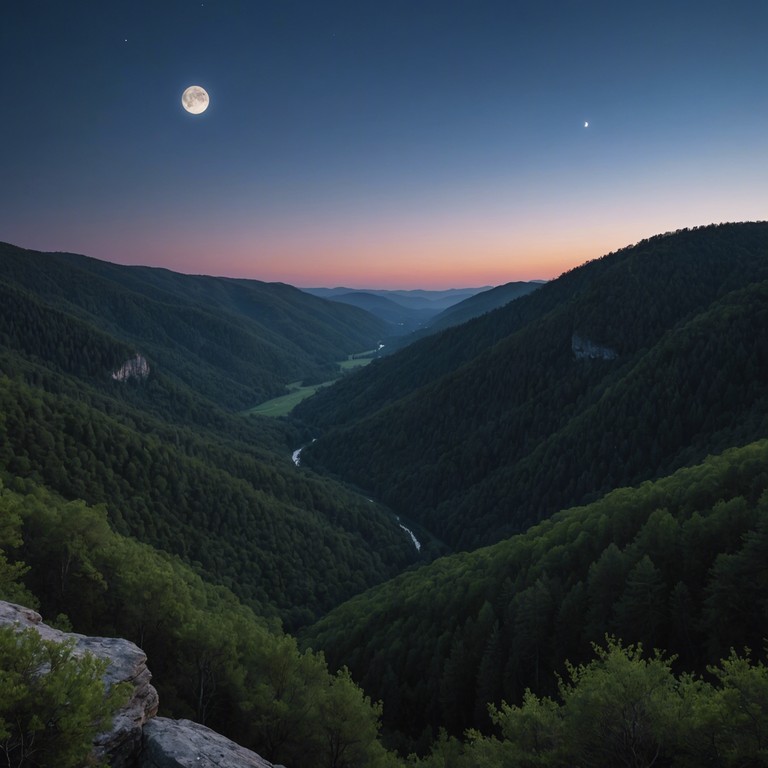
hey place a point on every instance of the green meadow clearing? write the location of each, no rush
(284, 404)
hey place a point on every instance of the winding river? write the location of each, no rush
(296, 459)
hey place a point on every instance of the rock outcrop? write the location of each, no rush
(135, 368)
(138, 739)
(127, 663)
(584, 349)
(183, 744)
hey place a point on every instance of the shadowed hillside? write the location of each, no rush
(677, 564)
(236, 342)
(158, 446)
(621, 370)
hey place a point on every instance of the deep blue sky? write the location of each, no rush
(403, 143)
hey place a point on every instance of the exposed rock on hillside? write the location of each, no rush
(585, 349)
(135, 368)
(183, 743)
(138, 738)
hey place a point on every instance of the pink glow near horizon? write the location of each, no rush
(426, 265)
(463, 160)
(429, 249)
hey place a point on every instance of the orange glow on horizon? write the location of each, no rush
(382, 266)
(382, 260)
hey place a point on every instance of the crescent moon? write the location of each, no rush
(195, 99)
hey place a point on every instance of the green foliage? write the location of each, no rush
(738, 711)
(676, 564)
(283, 539)
(212, 658)
(234, 342)
(11, 573)
(488, 428)
(53, 702)
(625, 708)
(477, 433)
(619, 709)
(171, 466)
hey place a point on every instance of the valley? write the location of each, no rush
(282, 405)
(554, 486)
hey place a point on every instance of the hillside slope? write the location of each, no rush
(173, 468)
(480, 303)
(677, 564)
(401, 319)
(621, 370)
(236, 342)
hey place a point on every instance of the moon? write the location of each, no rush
(586, 124)
(195, 99)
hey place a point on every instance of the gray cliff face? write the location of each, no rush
(584, 349)
(138, 739)
(183, 743)
(135, 368)
(127, 663)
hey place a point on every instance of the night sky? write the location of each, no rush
(386, 143)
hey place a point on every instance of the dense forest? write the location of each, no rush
(677, 564)
(174, 468)
(235, 342)
(212, 658)
(603, 439)
(464, 432)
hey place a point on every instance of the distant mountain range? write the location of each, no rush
(423, 311)
(435, 301)
(403, 318)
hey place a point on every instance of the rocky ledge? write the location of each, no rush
(181, 743)
(138, 739)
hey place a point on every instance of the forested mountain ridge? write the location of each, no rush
(677, 564)
(657, 274)
(174, 468)
(464, 432)
(652, 364)
(129, 506)
(480, 303)
(285, 541)
(236, 342)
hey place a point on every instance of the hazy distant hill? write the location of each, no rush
(414, 314)
(465, 310)
(402, 319)
(417, 298)
(621, 370)
(237, 342)
(405, 310)
(480, 303)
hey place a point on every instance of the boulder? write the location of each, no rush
(137, 737)
(184, 744)
(127, 663)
